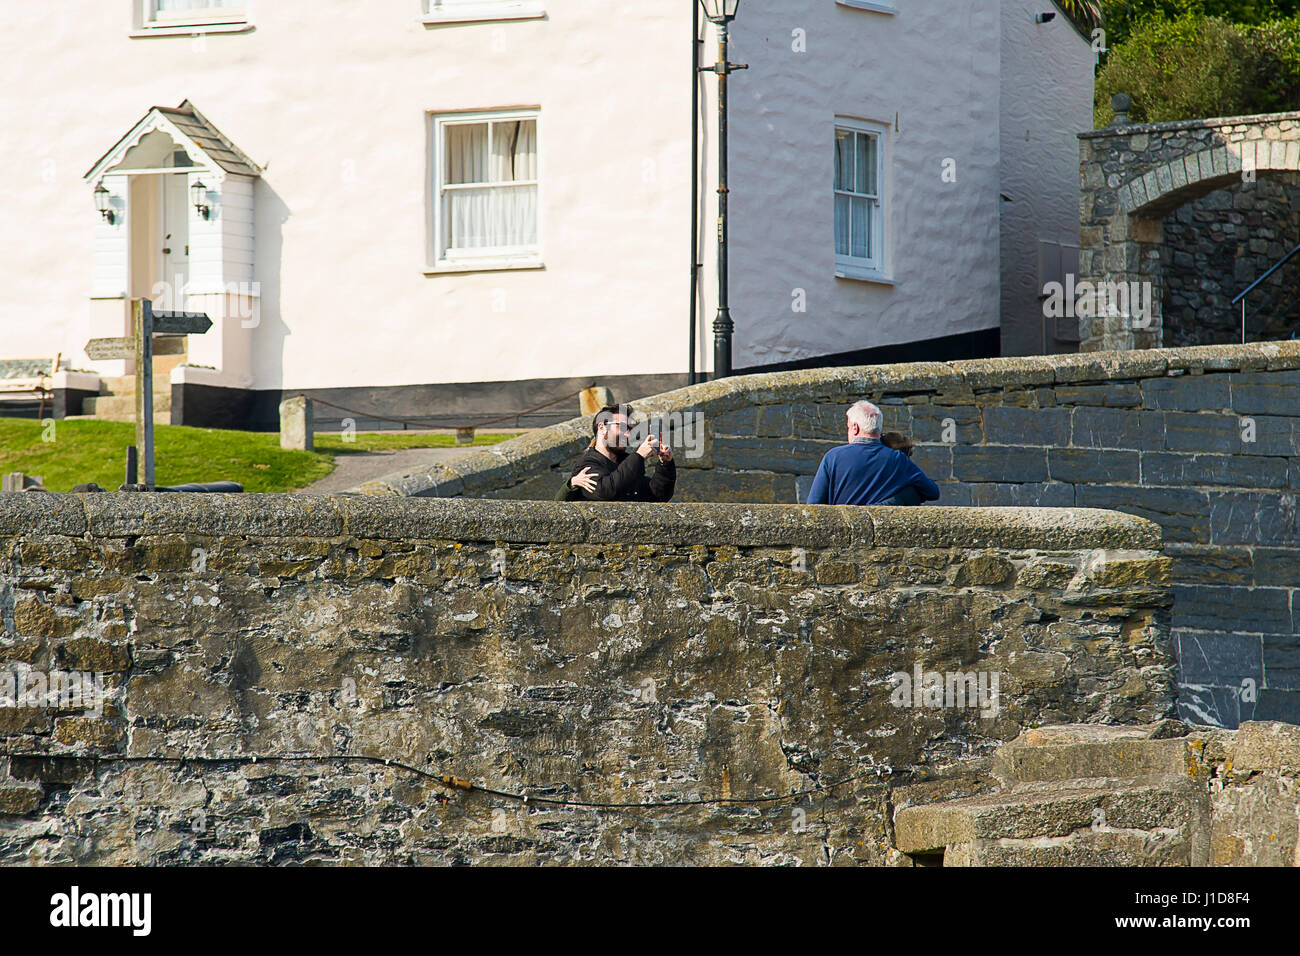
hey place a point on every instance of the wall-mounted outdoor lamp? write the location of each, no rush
(199, 196)
(104, 204)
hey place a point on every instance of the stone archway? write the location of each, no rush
(1133, 175)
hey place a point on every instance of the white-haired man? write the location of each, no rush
(866, 472)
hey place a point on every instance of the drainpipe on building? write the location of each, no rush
(696, 43)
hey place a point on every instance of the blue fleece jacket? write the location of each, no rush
(867, 473)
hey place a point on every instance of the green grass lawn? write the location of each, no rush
(83, 451)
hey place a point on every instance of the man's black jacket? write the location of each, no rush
(623, 480)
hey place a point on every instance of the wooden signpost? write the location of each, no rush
(146, 323)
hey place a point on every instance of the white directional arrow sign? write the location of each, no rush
(102, 350)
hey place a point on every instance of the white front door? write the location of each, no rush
(175, 232)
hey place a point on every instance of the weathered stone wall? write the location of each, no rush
(1203, 440)
(1254, 783)
(1216, 246)
(718, 659)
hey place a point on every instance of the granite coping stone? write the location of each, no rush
(128, 514)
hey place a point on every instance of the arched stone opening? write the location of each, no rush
(1134, 177)
(1216, 246)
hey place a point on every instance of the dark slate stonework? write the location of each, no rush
(1026, 426)
(1202, 431)
(1212, 704)
(994, 462)
(1092, 466)
(1117, 428)
(1187, 393)
(1254, 518)
(1163, 434)
(1281, 705)
(1219, 656)
(1115, 395)
(1281, 661)
(1170, 468)
(1181, 512)
(1234, 609)
(1027, 495)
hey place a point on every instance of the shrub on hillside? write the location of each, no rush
(1120, 17)
(1198, 66)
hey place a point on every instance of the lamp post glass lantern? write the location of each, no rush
(720, 13)
(720, 10)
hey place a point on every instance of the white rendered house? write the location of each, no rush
(446, 210)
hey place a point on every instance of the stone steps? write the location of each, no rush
(1052, 755)
(162, 370)
(121, 408)
(1073, 796)
(116, 401)
(1103, 847)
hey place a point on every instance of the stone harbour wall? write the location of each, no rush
(287, 676)
(1203, 440)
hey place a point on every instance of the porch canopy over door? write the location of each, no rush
(169, 240)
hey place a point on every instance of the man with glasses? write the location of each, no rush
(607, 472)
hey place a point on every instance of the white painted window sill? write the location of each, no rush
(189, 29)
(486, 265)
(247, 290)
(485, 12)
(859, 274)
(876, 6)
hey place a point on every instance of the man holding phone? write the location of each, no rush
(607, 472)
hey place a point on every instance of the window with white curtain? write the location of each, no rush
(486, 187)
(193, 11)
(469, 11)
(859, 204)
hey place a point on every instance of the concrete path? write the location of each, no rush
(354, 467)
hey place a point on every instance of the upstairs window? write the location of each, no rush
(191, 16)
(469, 11)
(859, 219)
(486, 188)
(195, 11)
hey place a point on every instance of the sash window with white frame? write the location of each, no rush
(486, 189)
(470, 11)
(859, 207)
(187, 12)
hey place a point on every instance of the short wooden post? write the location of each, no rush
(594, 399)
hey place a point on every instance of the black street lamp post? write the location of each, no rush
(720, 13)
